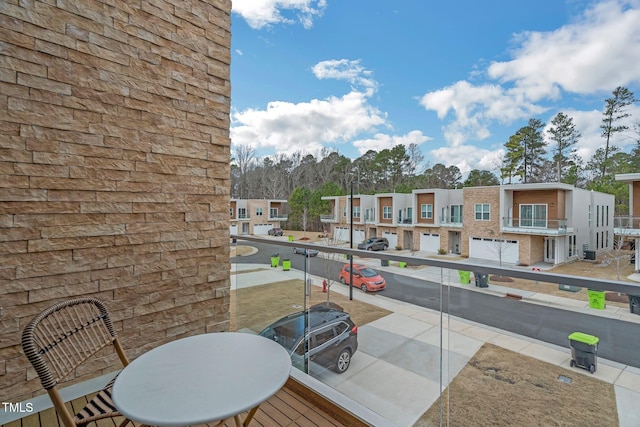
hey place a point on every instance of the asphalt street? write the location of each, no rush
(619, 340)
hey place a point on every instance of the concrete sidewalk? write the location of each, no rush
(405, 345)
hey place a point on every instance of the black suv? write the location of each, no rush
(333, 337)
(374, 244)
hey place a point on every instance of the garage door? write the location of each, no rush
(358, 236)
(260, 229)
(493, 249)
(341, 233)
(233, 229)
(392, 238)
(429, 242)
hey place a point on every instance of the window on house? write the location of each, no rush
(259, 211)
(533, 216)
(426, 211)
(456, 214)
(242, 212)
(409, 213)
(482, 211)
(344, 212)
(231, 212)
(589, 216)
(356, 211)
(597, 216)
(273, 212)
(386, 212)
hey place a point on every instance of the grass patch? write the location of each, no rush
(256, 307)
(499, 387)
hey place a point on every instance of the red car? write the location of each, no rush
(364, 278)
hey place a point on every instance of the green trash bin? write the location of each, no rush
(291, 238)
(596, 299)
(465, 277)
(584, 351)
(402, 264)
(275, 261)
(286, 264)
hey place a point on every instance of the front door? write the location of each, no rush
(245, 228)
(550, 250)
(454, 242)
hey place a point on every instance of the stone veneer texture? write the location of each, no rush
(114, 170)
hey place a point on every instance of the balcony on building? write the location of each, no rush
(277, 210)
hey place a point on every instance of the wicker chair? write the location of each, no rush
(63, 337)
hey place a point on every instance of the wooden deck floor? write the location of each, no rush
(292, 406)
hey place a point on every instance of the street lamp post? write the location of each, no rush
(351, 243)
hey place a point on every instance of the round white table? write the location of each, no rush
(202, 378)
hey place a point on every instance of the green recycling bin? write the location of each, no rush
(402, 264)
(465, 277)
(584, 351)
(275, 261)
(596, 299)
(286, 264)
(291, 238)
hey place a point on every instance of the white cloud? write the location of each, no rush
(475, 108)
(468, 157)
(592, 55)
(263, 13)
(239, 52)
(382, 141)
(287, 127)
(345, 69)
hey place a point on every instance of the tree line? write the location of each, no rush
(530, 156)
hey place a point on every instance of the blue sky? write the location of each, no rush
(457, 77)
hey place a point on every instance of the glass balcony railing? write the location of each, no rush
(327, 217)
(431, 341)
(626, 223)
(552, 226)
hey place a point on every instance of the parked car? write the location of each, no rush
(333, 337)
(374, 244)
(365, 278)
(305, 251)
(275, 232)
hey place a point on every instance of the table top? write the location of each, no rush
(201, 378)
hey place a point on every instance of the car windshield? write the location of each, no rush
(286, 334)
(368, 272)
(370, 241)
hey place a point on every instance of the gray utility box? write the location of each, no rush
(590, 255)
(634, 304)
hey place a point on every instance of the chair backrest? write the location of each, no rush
(62, 337)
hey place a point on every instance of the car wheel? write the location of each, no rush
(343, 361)
(370, 248)
(364, 288)
(572, 363)
(343, 281)
(295, 251)
(384, 248)
(592, 368)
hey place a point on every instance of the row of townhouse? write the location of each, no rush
(519, 223)
(256, 216)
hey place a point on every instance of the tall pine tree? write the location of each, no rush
(564, 134)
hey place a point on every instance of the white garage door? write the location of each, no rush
(392, 238)
(429, 242)
(493, 249)
(358, 236)
(259, 229)
(341, 233)
(233, 229)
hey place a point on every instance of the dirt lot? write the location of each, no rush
(499, 387)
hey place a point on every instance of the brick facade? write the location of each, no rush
(114, 173)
